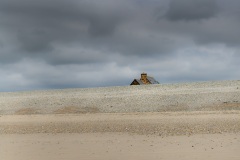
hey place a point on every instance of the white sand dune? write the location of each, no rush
(217, 95)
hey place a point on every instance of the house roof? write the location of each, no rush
(144, 80)
(139, 81)
(152, 80)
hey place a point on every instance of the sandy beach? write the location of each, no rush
(178, 121)
(179, 135)
(106, 146)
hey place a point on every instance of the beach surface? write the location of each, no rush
(178, 121)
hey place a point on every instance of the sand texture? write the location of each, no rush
(201, 96)
(160, 124)
(175, 121)
(108, 146)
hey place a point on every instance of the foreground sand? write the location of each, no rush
(108, 146)
(171, 135)
(160, 124)
(177, 121)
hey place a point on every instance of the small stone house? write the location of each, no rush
(144, 80)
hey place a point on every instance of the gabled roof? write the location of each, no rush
(152, 80)
(139, 81)
(144, 80)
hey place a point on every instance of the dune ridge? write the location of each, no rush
(198, 96)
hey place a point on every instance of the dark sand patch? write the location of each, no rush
(76, 110)
(26, 111)
(161, 124)
(225, 106)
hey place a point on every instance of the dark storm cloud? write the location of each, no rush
(191, 9)
(68, 43)
(109, 26)
(37, 25)
(190, 19)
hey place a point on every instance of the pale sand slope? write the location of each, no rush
(118, 146)
(135, 136)
(160, 124)
(218, 95)
(178, 121)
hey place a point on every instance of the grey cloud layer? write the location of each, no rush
(192, 9)
(131, 36)
(36, 26)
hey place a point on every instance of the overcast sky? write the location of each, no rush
(51, 44)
